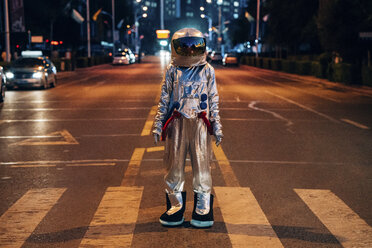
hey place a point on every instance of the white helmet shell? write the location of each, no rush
(187, 61)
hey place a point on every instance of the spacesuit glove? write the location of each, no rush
(218, 139)
(156, 138)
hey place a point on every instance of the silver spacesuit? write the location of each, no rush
(187, 113)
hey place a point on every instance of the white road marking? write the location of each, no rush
(355, 124)
(150, 120)
(65, 139)
(133, 167)
(20, 220)
(296, 89)
(225, 167)
(32, 166)
(304, 107)
(114, 160)
(245, 221)
(73, 120)
(73, 109)
(341, 221)
(114, 221)
(288, 124)
(91, 164)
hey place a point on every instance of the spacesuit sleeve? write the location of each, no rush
(163, 105)
(213, 101)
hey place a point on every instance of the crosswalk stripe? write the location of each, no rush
(150, 120)
(226, 170)
(341, 221)
(245, 221)
(133, 167)
(21, 219)
(114, 221)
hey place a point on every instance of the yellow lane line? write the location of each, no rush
(155, 149)
(245, 221)
(225, 167)
(115, 219)
(133, 167)
(150, 120)
(341, 221)
(21, 219)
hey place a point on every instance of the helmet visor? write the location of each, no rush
(189, 46)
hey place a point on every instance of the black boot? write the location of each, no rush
(201, 217)
(174, 217)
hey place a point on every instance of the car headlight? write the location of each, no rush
(37, 75)
(9, 75)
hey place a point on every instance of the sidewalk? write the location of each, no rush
(362, 89)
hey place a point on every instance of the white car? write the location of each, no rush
(121, 58)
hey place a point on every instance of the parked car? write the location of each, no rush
(230, 59)
(216, 57)
(2, 84)
(31, 72)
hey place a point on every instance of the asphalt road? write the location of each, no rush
(78, 166)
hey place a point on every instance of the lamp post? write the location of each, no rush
(88, 29)
(136, 24)
(7, 37)
(209, 25)
(113, 27)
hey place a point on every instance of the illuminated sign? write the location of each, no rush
(162, 33)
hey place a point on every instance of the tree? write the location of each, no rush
(291, 23)
(339, 23)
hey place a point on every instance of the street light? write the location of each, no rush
(144, 15)
(201, 8)
(145, 8)
(209, 25)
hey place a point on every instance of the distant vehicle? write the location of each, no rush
(31, 71)
(124, 57)
(216, 57)
(121, 58)
(2, 84)
(230, 59)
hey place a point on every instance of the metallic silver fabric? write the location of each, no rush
(188, 82)
(187, 61)
(176, 202)
(188, 136)
(186, 86)
(203, 203)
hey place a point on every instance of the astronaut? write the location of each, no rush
(187, 113)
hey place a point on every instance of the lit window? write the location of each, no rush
(236, 4)
(236, 16)
(147, 3)
(188, 1)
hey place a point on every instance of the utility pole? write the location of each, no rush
(7, 35)
(88, 29)
(161, 14)
(113, 27)
(257, 26)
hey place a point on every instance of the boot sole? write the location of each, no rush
(198, 223)
(171, 223)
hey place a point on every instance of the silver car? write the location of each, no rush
(32, 72)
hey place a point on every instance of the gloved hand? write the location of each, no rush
(218, 139)
(156, 138)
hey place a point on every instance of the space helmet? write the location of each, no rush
(188, 48)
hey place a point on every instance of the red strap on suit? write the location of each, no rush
(203, 115)
(176, 114)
